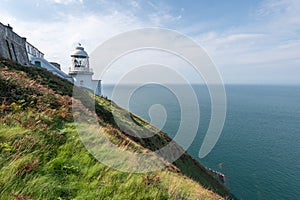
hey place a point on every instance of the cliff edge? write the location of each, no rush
(42, 156)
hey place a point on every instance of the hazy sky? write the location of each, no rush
(254, 41)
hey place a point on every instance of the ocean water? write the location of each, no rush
(259, 148)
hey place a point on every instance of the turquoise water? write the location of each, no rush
(259, 149)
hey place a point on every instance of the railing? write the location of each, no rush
(80, 69)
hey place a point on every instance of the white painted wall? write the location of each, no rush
(85, 81)
(48, 66)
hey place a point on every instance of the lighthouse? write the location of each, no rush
(82, 73)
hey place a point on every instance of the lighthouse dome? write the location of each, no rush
(79, 52)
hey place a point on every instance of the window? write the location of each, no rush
(37, 63)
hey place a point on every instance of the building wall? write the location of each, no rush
(85, 81)
(43, 63)
(12, 46)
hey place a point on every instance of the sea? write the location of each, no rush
(259, 147)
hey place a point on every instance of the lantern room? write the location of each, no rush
(80, 61)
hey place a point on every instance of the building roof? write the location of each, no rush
(79, 52)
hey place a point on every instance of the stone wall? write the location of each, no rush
(12, 46)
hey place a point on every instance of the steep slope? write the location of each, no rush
(42, 156)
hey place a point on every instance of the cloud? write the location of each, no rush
(270, 37)
(89, 24)
(58, 38)
(249, 52)
(162, 14)
(66, 2)
(281, 16)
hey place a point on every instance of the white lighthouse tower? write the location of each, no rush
(81, 71)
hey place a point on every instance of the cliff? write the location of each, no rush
(42, 156)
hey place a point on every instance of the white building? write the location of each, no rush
(81, 71)
(36, 58)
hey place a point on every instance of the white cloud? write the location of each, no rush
(161, 14)
(270, 38)
(66, 2)
(280, 16)
(159, 19)
(247, 53)
(57, 39)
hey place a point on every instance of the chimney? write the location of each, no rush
(9, 27)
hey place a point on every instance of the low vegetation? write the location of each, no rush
(42, 156)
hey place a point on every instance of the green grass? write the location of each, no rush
(43, 157)
(66, 170)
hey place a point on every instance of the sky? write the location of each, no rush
(251, 41)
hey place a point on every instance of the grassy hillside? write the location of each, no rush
(42, 156)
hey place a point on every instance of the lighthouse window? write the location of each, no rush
(77, 63)
(80, 63)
